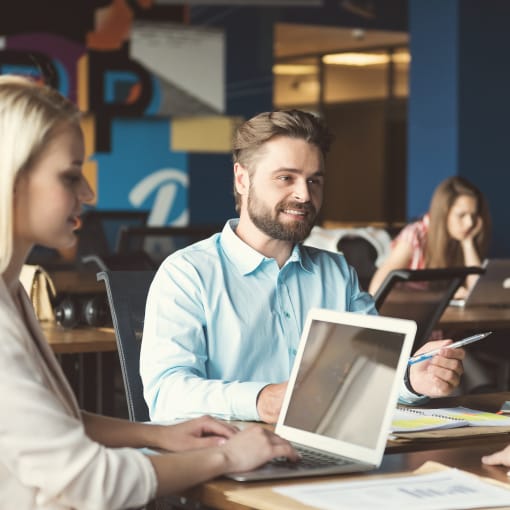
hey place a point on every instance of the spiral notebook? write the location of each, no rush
(412, 419)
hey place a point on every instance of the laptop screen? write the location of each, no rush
(344, 382)
(493, 287)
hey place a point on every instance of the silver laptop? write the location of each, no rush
(492, 288)
(341, 394)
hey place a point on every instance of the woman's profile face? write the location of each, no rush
(49, 196)
(462, 217)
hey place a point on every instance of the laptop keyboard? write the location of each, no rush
(310, 459)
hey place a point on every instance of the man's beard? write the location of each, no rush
(293, 231)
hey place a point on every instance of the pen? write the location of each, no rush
(460, 343)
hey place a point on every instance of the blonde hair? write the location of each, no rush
(254, 133)
(29, 115)
(441, 249)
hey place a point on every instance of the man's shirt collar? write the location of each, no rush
(247, 259)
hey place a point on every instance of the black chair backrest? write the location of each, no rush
(159, 242)
(360, 254)
(100, 230)
(421, 295)
(136, 261)
(127, 293)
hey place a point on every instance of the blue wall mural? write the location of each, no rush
(129, 103)
(141, 172)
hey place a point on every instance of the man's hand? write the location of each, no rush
(501, 457)
(269, 402)
(439, 376)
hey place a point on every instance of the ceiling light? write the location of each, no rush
(294, 69)
(401, 57)
(365, 59)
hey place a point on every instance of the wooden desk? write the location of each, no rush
(212, 494)
(89, 359)
(464, 455)
(478, 318)
(70, 281)
(79, 340)
(495, 354)
(484, 401)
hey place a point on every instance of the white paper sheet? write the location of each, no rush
(449, 489)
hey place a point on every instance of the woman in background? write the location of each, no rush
(455, 232)
(53, 454)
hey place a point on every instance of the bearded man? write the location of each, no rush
(224, 316)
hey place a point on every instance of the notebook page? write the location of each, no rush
(413, 420)
(475, 418)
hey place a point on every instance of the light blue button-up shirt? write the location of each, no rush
(223, 321)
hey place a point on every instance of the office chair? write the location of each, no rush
(136, 261)
(127, 293)
(98, 238)
(361, 255)
(159, 242)
(421, 295)
(100, 229)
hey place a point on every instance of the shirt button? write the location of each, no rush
(287, 314)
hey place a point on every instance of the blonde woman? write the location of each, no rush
(53, 454)
(455, 232)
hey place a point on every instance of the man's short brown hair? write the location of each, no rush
(255, 132)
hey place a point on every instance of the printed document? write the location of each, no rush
(450, 489)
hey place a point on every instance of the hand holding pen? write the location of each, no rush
(461, 343)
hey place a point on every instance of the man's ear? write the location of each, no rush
(241, 179)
